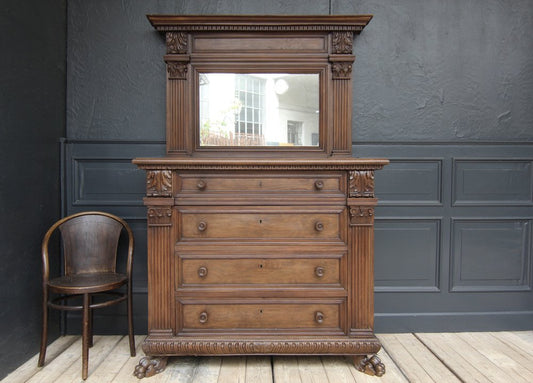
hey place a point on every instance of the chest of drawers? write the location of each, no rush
(260, 257)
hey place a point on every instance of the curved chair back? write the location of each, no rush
(90, 244)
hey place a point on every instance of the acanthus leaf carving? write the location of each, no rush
(159, 183)
(342, 42)
(177, 70)
(176, 42)
(361, 184)
(341, 70)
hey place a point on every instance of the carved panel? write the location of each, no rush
(361, 184)
(158, 183)
(176, 42)
(342, 42)
(159, 216)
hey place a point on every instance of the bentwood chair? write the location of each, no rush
(90, 243)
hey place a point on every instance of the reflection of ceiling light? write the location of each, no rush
(281, 86)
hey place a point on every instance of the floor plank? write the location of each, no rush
(113, 363)
(286, 369)
(208, 370)
(490, 357)
(125, 374)
(312, 369)
(232, 370)
(259, 369)
(493, 350)
(28, 369)
(417, 363)
(453, 353)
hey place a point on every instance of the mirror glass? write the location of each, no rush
(259, 109)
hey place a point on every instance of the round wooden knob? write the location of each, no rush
(319, 184)
(202, 226)
(203, 317)
(320, 271)
(201, 185)
(202, 272)
(319, 226)
(319, 317)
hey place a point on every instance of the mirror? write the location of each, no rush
(259, 109)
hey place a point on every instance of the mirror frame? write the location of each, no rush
(259, 44)
(322, 119)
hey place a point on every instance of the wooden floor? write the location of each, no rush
(442, 357)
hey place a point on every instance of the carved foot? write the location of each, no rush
(370, 365)
(149, 366)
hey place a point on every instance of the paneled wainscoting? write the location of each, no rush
(409, 357)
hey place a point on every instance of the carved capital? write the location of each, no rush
(341, 70)
(159, 216)
(176, 42)
(159, 183)
(361, 215)
(177, 70)
(361, 184)
(342, 42)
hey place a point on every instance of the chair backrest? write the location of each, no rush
(90, 244)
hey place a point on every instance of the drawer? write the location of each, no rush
(259, 223)
(256, 271)
(316, 183)
(262, 315)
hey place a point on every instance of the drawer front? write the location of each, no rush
(207, 271)
(315, 183)
(271, 224)
(270, 315)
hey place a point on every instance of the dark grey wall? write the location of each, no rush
(443, 88)
(32, 115)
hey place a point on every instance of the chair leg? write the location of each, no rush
(91, 311)
(130, 321)
(44, 331)
(85, 337)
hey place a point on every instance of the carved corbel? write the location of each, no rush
(159, 183)
(177, 42)
(342, 42)
(361, 184)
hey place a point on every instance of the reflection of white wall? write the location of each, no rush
(309, 126)
(272, 132)
(220, 91)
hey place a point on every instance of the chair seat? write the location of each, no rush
(87, 283)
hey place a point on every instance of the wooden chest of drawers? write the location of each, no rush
(261, 257)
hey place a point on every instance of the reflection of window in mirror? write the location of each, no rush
(259, 109)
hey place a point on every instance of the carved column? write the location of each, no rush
(159, 201)
(177, 60)
(361, 204)
(341, 60)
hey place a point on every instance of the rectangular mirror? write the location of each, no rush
(259, 109)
